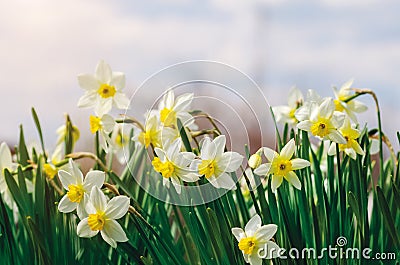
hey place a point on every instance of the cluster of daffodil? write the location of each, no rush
(97, 213)
(326, 118)
(167, 131)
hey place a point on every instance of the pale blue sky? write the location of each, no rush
(312, 44)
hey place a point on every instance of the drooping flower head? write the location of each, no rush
(351, 107)
(155, 133)
(102, 215)
(286, 114)
(120, 142)
(255, 241)
(104, 125)
(215, 163)
(78, 188)
(103, 90)
(282, 166)
(351, 147)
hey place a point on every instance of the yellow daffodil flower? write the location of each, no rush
(324, 122)
(173, 165)
(101, 216)
(282, 166)
(77, 188)
(351, 147)
(255, 241)
(103, 90)
(215, 163)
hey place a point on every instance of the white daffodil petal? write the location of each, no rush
(263, 169)
(230, 161)
(168, 99)
(208, 150)
(292, 178)
(332, 149)
(108, 239)
(254, 259)
(326, 108)
(302, 113)
(219, 144)
(357, 106)
(269, 153)
(160, 153)
(121, 101)
(272, 250)
(87, 100)
(80, 207)
(305, 125)
(336, 137)
(299, 163)
(114, 230)
(98, 199)
(108, 123)
(103, 106)
(288, 150)
(358, 149)
(177, 185)
(83, 229)
(66, 179)
(253, 225)
(225, 181)
(103, 72)
(351, 153)
(118, 80)
(238, 233)
(183, 102)
(5, 156)
(94, 178)
(88, 82)
(266, 232)
(75, 171)
(65, 205)
(117, 207)
(276, 182)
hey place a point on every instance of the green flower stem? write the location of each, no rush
(360, 92)
(341, 190)
(253, 197)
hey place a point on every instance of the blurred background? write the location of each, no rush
(311, 44)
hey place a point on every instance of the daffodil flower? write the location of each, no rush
(101, 217)
(155, 133)
(282, 166)
(255, 241)
(78, 188)
(312, 101)
(120, 142)
(103, 90)
(351, 147)
(7, 163)
(286, 114)
(174, 165)
(215, 163)
(104, 125)
(353, 106)
(324, 122)
(171, 109)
